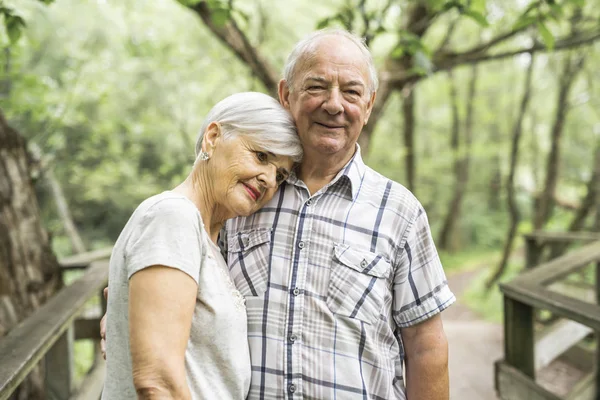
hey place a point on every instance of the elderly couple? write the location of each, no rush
(283, 266)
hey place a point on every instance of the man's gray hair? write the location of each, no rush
(259, 117)
(307, 45)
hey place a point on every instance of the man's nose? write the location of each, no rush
(333, 103)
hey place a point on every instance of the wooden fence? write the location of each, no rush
(49, 333)
(532, 343)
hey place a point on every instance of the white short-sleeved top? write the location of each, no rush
(167, 229)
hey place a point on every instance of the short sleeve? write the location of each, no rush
(168, 233)
(420, 286)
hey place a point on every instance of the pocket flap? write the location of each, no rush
(246, 240)
(362, 261)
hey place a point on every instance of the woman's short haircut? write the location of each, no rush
(258, 117)
(307, 46)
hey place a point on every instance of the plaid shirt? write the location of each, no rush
(329, 279)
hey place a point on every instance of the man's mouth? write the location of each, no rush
(329, 126)
(254, 193)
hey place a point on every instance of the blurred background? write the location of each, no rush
(488, 110)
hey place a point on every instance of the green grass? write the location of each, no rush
(466, 260)
(83, 355)
(489, 303)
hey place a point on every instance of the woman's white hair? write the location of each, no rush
(307, 46)
(258, 117)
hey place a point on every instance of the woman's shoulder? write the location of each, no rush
(169, 208)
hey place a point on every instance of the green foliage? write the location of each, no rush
(114, 99)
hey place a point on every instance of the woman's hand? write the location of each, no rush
(103, 327)
(161, 307)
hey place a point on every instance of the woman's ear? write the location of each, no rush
(211, 137)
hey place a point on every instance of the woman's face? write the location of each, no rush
(246, 177)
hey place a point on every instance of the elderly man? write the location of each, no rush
(342, 280)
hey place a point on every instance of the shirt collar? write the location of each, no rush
(350, 176)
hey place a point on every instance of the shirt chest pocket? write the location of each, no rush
(248, 258)
(358, 284)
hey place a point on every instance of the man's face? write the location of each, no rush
(330, 98)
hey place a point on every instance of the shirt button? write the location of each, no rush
(293, 338)
(301, 245)
(364, 263)
(246, 241)
(292, 388)
(296, 292)
(309, 202)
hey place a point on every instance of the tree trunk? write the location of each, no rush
(515, 216)
(545, 204)
(383, 95)
(29, 272)
(589, 204)
(62, 206)
(408, 112)
(448, 239)
(495, 184)
(597, 189)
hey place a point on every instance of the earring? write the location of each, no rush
(203, 156)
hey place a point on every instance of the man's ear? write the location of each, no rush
(370, 106)
(284, 94)
(211, 136)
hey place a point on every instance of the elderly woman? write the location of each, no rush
(176, 325)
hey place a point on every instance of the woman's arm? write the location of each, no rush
(161, 307)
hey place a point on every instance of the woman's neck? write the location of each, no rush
(199, 189)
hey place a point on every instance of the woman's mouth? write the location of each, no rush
(255, 194)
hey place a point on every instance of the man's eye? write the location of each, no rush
(315, 87)
(353, 92)
(261, 156)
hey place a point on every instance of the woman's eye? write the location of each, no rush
(261, 156)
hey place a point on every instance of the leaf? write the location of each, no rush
(557, 11)
(220, 16)
(423, 62)
(477, 17)
(14, 25)
(453, 4)
(524, 21)
(324, 23)
(397, 52)
(547, 36)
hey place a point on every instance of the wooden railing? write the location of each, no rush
(49, 333)
(530, 345)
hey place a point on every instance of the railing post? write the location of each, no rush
(518, 336)
(59, 367)
(532, 252)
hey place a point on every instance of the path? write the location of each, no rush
(474, 346)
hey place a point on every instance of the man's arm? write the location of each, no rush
(426, 358)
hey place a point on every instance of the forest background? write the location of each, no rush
(488, 110)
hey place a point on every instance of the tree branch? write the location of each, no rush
(234, 38)
(399, 76)
(469, 57)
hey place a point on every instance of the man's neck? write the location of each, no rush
(318, 170)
